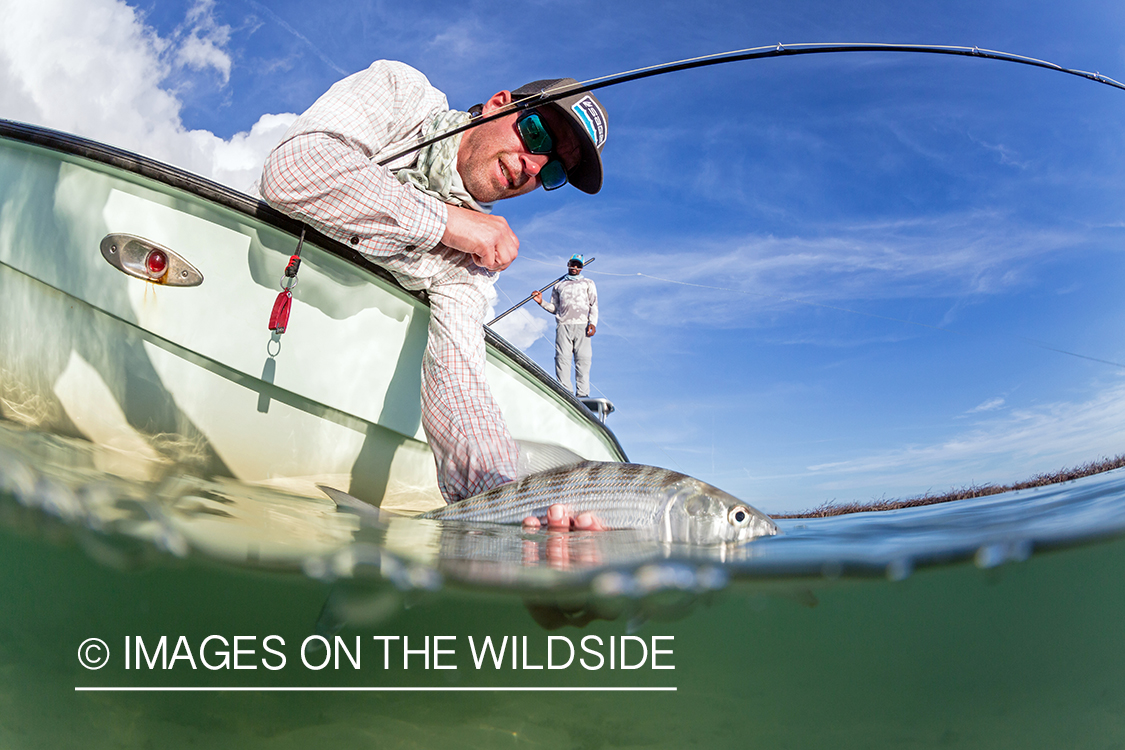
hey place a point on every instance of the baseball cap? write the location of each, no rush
(587, 117)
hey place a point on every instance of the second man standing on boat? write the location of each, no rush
(574, 302)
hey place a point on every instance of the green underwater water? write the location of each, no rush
(1025, 655)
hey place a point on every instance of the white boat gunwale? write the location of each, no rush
(241, 203)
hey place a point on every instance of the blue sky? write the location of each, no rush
(839, 277)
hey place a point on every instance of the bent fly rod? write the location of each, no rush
(525, 300)
(753, 53)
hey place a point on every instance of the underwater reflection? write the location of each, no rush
(129, 511)
(377, 562)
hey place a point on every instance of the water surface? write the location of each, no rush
(992, 622)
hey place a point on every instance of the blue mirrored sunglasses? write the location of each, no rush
(537, 139)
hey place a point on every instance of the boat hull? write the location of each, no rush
(192, 375)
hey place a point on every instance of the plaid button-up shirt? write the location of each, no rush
(326, 173)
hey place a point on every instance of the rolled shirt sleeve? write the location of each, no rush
(553, 305)
(322, 180)
(326, 171)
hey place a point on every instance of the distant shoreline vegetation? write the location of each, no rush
(831, 508)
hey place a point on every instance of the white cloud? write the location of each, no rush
(238, 162)
(88, 65)
(521, 328)
(203, 40)
(990, 405)
(95, 69)
(996, 448)
(462, 41)
(750, 280)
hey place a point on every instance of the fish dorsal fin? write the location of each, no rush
(538, 457)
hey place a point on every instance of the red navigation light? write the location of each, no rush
(156, 263)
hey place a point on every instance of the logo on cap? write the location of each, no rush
(591, 116)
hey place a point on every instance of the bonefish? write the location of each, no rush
(678, 508)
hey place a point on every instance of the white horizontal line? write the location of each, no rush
(370, 689)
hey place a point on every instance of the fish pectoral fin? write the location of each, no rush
(347, 502)
(537, 457)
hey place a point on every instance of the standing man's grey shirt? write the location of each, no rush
(574, 302)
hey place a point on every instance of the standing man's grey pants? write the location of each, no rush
(571, 341)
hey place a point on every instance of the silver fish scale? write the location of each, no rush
(624, 496)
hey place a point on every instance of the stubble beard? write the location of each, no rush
(477, 183)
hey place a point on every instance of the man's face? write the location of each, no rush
(494, 163)
(574, 269)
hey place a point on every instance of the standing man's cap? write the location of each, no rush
(576, 259)
(589, 121)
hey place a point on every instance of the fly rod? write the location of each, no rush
(753, 53)
(526, 299)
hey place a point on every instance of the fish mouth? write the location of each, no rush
(705, 518)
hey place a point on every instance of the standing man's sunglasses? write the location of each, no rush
(537, 139)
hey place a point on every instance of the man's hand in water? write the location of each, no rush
(488, 239)
(561, 518)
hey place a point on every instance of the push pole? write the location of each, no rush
(528, 298)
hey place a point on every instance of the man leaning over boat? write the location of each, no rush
(425, 217)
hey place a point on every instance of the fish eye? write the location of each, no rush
(739, 515)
